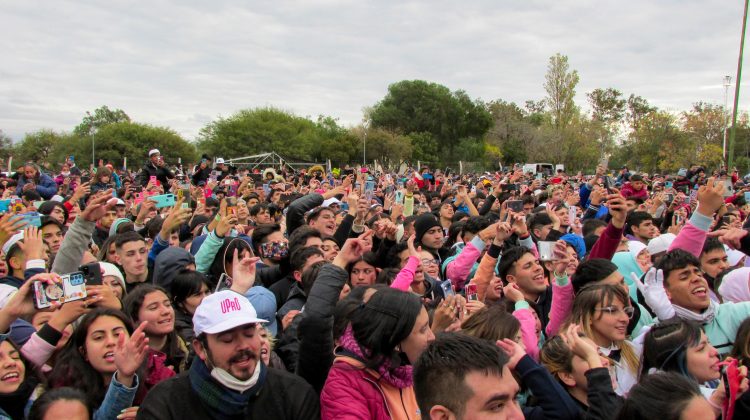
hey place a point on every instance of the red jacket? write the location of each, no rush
(628, 191)
(354, 393)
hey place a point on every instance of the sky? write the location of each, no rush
(182, 64)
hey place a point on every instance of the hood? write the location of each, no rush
(168, 263)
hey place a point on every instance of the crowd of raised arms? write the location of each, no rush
(221, 292)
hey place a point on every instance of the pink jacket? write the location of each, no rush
(562, 303)
(458, 270)
(528, 329)
(606, 246)
(405, 277)
(353, 393)
(693, 235)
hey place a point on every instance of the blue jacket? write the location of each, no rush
(46, 187)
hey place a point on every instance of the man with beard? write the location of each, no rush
(227, 379)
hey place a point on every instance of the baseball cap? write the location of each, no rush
(223, 311)
(332, 200)
(219, 160)
(153, 152)
(660, 243)
(264, 302)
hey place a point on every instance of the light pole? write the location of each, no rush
(737, 87)
(727, 83)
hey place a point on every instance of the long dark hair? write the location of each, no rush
(741, 349)
(662, 396)
(224, 255)
(383, 322)
(186, 283)
(132, 305)
(72, 369)
(665, 347)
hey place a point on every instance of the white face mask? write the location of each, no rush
(225, 378)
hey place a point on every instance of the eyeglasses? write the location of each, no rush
(629, 311)
(427, 261)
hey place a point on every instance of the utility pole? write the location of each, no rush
(364, 145)
(737, 90)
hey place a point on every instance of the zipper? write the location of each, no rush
(382, 394)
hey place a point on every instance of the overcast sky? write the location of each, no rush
(183, 63)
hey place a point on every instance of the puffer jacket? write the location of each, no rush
(352, 392)
(45, 186)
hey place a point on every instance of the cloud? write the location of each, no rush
(182, 63)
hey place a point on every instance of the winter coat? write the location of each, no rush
(45, 186)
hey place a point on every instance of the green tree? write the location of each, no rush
(387, 147)
(417, 106)
(560, 85)
(130, 140)
(261, 130)
(608, 109)
(704, 125)
(637, 108)
(101, 117)
(37, 146)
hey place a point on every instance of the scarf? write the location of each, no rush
(400, 377)
(706, 317)
(217, 398)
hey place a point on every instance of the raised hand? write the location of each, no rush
(243, 271)
(730, 236)
(176, 218)
(654, 292)
(32, 244)
(10, 224)
(353, 250)
(130, 353)
(514, 351)
(513, 293)
(710, 197)
(580, 347)
(617, 208)
(99, 206)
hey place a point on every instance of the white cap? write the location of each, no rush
(153, 152)
(332, 200)
(109, 269)
(57, 198)
(219, 160)
(660, 243)
(119, 202)
(222, 311)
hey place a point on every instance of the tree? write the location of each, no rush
(389, 148)
(704, 124)
(130, 140)
(638, 108)
(560, 84)
(102, 116)
(608, 108)
(417, 106)
(37, 146)
(261, 130)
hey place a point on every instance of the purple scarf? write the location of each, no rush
(400, 377)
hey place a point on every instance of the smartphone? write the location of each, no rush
(572, 213)
(471, 292)
(4, 205)
(232, 210)
(515, 206)
(92, 273)
(607, 183)
(225, 282)
(508, 187)
(85, 179)
(446, 287)
(669, 198)
(747, 197)
(71, 287)
(32, 219)
(604, 162)
(668, 184)
(163, 200)
(399, 197)
(546, 249)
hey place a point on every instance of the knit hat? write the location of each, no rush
(116, 224)
(423, 223)
(576, 242)
(109, 269)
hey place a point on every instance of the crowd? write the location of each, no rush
(221, 292)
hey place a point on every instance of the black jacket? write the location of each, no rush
(283, 396)
(315, 331)
(295, 214)
(602, 400)
(160, 172)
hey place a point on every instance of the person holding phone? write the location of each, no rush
(155, 167)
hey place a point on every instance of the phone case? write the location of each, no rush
(163, 200)
(71, 288)
(4, 205)
(471, 292)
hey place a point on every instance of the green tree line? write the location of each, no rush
(418, 120)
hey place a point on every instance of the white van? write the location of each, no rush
(539, 168)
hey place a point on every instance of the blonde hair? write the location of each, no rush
(584, 308)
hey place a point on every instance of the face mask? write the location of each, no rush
(65, 173)
(226, 379)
